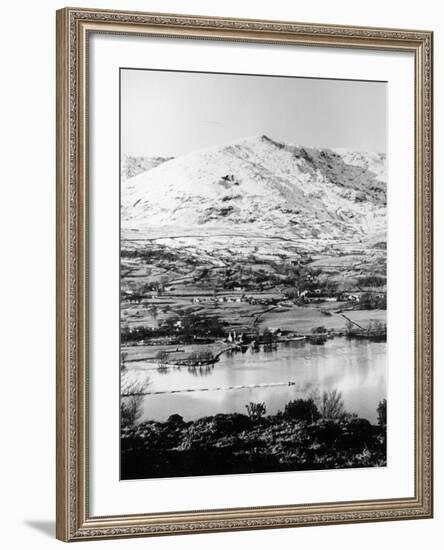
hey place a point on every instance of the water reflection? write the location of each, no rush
(202, 370)
(357, 368)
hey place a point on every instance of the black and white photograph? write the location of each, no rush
(253, 274)
(221, 321)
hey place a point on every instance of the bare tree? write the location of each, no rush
(332, 405)
(131, 397)
(162, 356)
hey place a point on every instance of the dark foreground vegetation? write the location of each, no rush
(305, 436)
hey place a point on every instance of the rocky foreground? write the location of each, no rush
(239, 444)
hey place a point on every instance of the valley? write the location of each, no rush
(251, 241)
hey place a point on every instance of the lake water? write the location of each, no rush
(356, 368)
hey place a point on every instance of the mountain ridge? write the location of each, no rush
(265, 186)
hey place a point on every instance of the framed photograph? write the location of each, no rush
(244, 274)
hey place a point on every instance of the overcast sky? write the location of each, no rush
(170, 113)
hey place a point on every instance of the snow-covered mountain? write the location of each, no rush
(261, 186)
(133, 166)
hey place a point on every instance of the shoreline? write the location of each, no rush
(215, 348)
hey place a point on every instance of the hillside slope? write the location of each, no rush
(133, 166)
(257, 185)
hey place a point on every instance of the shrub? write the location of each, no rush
(372, 280)
(372, 301)
(175, 419)
(302, 409)
(135, 334)
(357, 434)
(231, 423)
(376, 327)
(382, 412)
(292, 293)
(325, 433)
(256, 410)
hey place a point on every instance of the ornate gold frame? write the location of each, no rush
(73, 519)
